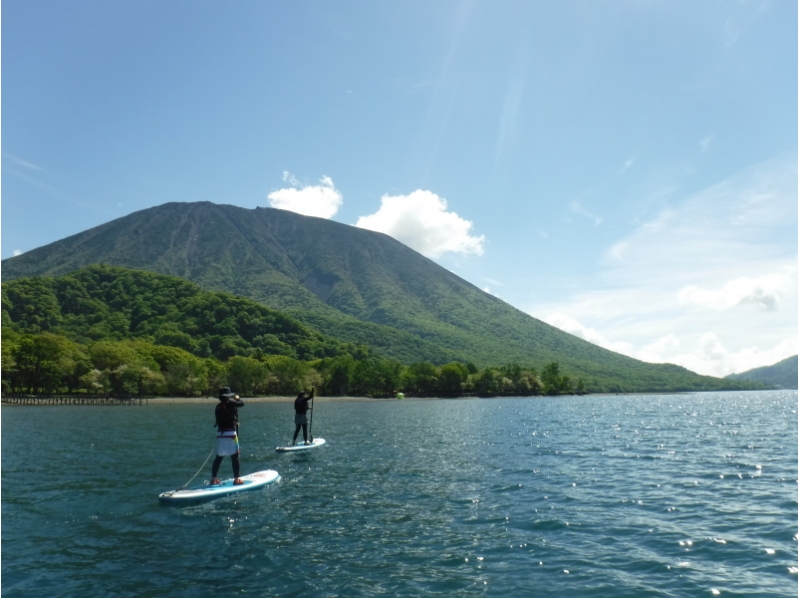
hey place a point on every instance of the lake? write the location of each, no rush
(665, 495)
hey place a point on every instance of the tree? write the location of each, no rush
(173, 337)
(246, 375)
(420, 378)
(9, 365)
(216, 374)
(287, 374)
(529, 384)
(552, 382)
(337, 374)
(364, 376)
(42, 362)
(451, 378)
(488, 383)
(388, 376)
(136, 379)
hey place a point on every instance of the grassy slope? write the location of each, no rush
(351, 284)
(782, 374)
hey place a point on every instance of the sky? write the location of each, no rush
(623, 170)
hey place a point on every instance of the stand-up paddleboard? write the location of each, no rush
(187, 496)
(300, 446)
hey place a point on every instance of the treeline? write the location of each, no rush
(49, 363)
(108, 329)
(104, 329)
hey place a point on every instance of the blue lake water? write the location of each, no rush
(664, 495)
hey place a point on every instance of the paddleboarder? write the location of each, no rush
(227, 416)
(301, 407)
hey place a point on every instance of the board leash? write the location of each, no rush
(213, 450)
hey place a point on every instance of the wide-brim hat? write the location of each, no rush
(225, 393)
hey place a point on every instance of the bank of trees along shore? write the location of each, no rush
(49, 363)
(112, 330)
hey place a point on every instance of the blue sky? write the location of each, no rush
(625, 170)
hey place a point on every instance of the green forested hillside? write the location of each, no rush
(349, 284)
(102, 303)
(781, 375)
(109, 329)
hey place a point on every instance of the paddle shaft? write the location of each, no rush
(311, 423)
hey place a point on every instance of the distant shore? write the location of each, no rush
(188, 400)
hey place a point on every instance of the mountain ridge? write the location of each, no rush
(782, 374)
(348, 283)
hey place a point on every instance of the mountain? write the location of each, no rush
(782, 374)
(349, 284)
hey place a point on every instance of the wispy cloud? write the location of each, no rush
(709, 283)
(628, 164)
(494, 282)
(711, 357)
(574, 327)
(705, 143)
(421, 221)
(762, 291)
(18, 252)
(31, 173)
(322, 200)
(37, 176)
(576, 208)
(24, 163)
(512, 103)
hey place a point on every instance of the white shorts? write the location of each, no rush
(227, 444)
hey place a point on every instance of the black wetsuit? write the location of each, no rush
(227, 416)
(301, 406)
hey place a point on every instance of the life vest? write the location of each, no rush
(227, 416)
(301, 405)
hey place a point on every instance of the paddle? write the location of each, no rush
(311, 423)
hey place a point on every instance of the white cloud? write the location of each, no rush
(18, 252)
(705, 143)
(321, 200)
(707, 355)
(652, 352)
(709, 283)
(763, 291)
(575, 328)
(655, 352)
(421, 221)
(712, 358)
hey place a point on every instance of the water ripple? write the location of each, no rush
(680, 495)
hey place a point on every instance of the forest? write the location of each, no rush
(48, 363)
(110, 330)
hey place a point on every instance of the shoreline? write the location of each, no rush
(350, 399)
(192, 400)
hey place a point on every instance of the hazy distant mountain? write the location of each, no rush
(350, 284)
(783, 374)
